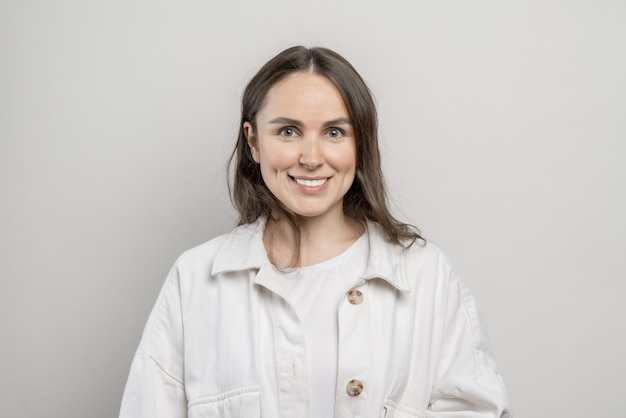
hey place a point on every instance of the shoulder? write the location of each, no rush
(426, 264)
(427, 253)
(203, 252)
(227, 251)
(407, 267)
(418, 251)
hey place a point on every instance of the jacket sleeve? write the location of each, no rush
(468, 383)
(155, 386)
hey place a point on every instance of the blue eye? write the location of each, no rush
(335, 133)
(287, 132)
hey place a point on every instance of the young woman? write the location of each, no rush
(320, 303)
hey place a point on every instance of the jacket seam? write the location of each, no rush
(148, 356)
(160, 308)
(205, 400)
(475, 351)
(479, 367)
(458, 387)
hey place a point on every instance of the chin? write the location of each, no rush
(311, 213)
(314, 209)
(308, 214)
(305, 212)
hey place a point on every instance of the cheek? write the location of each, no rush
(274, 159)
(343, 159)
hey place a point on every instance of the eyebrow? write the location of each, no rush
(287, 121)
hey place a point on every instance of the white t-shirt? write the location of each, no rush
(315, 293)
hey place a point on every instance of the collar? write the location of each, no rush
(386, 260)
(244, 250)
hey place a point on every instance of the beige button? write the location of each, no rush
(355, 297)
(355, 387)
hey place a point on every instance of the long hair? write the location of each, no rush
(366, 200)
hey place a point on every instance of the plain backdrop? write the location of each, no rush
(503, 130)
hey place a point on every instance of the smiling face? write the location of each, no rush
(305, 146)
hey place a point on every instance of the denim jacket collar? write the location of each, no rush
(244, 250)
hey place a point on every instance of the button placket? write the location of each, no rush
(289, 344)
(354, 353)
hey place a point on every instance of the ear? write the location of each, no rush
(252, 141)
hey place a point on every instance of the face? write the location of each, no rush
(305, 146)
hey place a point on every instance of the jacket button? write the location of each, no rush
(355, 387)
(355, 297)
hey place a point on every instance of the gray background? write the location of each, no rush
(503, 128)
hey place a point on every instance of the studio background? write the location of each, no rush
(503, 134)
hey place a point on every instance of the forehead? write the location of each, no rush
(305, 91)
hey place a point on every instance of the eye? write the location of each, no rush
(287, 132)
(334, 133)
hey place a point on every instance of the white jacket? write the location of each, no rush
(221, 341)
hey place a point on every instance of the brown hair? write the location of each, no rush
(366, 199)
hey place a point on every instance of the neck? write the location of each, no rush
(320, 240)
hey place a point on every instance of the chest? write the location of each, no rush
(245, 348)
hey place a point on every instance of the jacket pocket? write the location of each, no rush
(393, 410)
(244, 402)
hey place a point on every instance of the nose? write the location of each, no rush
(311, 154)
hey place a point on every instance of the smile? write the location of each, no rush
(311, 183)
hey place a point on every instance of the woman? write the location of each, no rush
(319, 303)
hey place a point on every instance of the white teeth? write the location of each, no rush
(311, 183)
